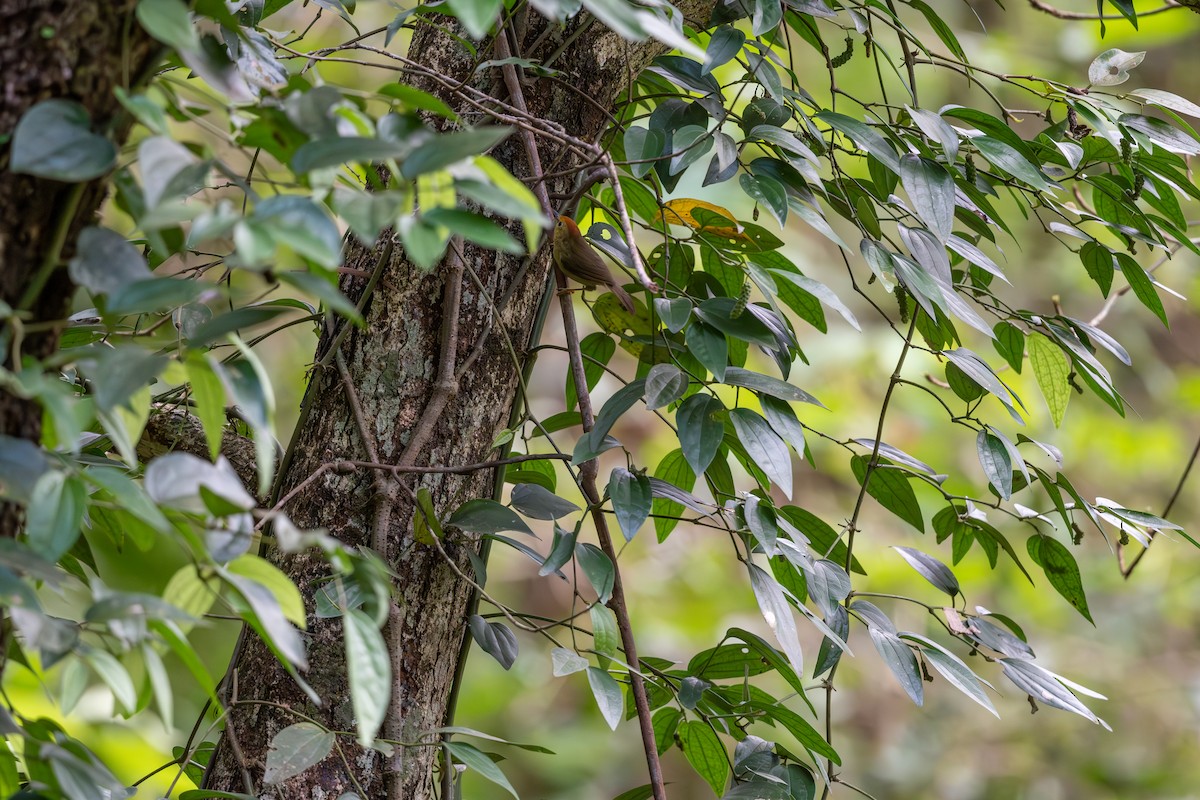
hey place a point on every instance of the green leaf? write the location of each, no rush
(864, 136)
(1061, 570)
(475, 228)
(936, 128)
(605, 636)
(487, 516)
(115, 676)
(723, 47)
(1098, 261)
(54, 140)
(1010, 343)
(478, 760)
(901, 661)
(608, 695)
(1143, 286)
(1168, 100)
(931, 570)
(370, 673)
(597, 349)
(673, 469)
(783, 421)
(931, 189)
(598, 569)
(450, 148)
(413, 98)
(106, 262)
(169, 22)
(890, 487)
(630, 494)
(1052, 370)
(1162, 134)
(996, 462)
(764, 446)
(644, 146)
(768, 385)
(936, 20)
(700, 429)
(796, 725)
(953, 670)
(567, 662)
(778, 615)
(703, 750)
(294, 750)
(265, 615)
(325, 290)
(1005, 157)
(333, 152)
(536, 501)
(263, 572)
(55, 514)
(477, 16)
(1046, 687)
(665, 383)
(495, 639)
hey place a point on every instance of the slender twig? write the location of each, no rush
(635, 255)
(587, 471)
(1127, 571)
(852, 523)
(53, 256)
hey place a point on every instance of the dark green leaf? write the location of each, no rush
(495, 639)
(931, 570)
(536, 501)
(900, 660)
(996, 462)
(370, 673)
(765, 384)
(598, 569)
(480, 762)
(449, 148)
(700, 429)
(891, 488)
(631, 499)
(608, 695)
(674, 470)
(764, 446)
(1061, 570)
(931, 189)
(665, 383)
(1142, 285)
(54, 140)
(487, 516)
(703, 750)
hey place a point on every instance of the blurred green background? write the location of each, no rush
(1143, 653)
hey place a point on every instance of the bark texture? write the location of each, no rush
(74, 50)
(394, 366)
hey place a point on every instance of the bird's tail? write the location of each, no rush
(623, 296)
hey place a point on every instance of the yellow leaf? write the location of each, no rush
(264, 572)
(681, 212)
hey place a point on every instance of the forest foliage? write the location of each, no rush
(230, 212)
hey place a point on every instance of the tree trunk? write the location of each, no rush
(53, 49)
(394, 367)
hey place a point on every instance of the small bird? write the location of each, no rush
(575, 257)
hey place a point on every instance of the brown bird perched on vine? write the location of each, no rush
(575, 257)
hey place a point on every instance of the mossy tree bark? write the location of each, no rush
(80, 50)
(393, 363)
